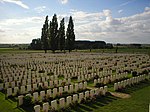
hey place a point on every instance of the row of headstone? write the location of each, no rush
(35, 83)
(54, 92)
(64, 102)
(129, 82)
(111, 78)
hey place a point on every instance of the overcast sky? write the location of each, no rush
(113, 21)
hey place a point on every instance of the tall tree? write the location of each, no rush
(45, 36)
(70, 35)
(61, 35)
(54, 33)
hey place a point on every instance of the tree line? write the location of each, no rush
(53, 38)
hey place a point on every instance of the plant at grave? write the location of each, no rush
(50, 99)
(45, 99)
(52, 110)
(90, 67)
(99, 85)
(75, 77)
(40, 88)
(96, 77)
(73, 104)
(1, 81)
(145, 72)
(27, 100)
(50, 74)
(63, 84)
(83, 101)
(80, 90)
(39, 103)
(134, 73)
(41, 71)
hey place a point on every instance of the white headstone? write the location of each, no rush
(54, 92)
(54, 104)
(45, 107)
(75, 97)
(62, 102)
(37, 108)
(20, 100)
(42, 95)
(69, 100)
(35, 96)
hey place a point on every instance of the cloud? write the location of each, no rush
(102, 26)
(88, 26)
(40, 9)
(147, 8)
(64, 1)
(17, 2)
(126, 3)
(20, 30)
(120, 11)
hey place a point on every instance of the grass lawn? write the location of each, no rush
(138, 102)
(8, 105)
(120, 50)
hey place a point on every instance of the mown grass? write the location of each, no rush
(120, 50)
(138, 102)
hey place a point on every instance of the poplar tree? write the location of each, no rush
(45, 36)
(54, 33)
(70, 41)
(61, 35)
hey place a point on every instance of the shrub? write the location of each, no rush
(89, 68)
(41, 71)
(50, 74)
(134, 73)
(96, 77)
(99, 85)
(1, 81)
(27, 100)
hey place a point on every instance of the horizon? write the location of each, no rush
(116, 21)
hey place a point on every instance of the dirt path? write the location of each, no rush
(120, 95)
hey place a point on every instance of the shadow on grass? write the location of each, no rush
(27, 108)
(135, 87)
(99, 102)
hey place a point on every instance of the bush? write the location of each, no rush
(96, 77)
(134, 73)
(99, 85)
(50, 74)
(27, 100)
(1, 81)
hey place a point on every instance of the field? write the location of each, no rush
(131, 98)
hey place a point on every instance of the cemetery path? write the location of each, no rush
(120, 95)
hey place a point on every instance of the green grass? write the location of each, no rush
(8, 105)
(138, 102)
(120, 50)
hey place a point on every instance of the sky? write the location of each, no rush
(112, 21)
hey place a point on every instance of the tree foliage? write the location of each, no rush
(61, 35)
(54, 39)
(45, 35)
(70, 35)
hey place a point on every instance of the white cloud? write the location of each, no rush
(64, 1)
(40, 9)
(88, 26)
(147, 8)
(20, 30)
(17, 2)
(126, 3)
(102, 26)
(120, 11)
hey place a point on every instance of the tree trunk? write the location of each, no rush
(45, 51)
